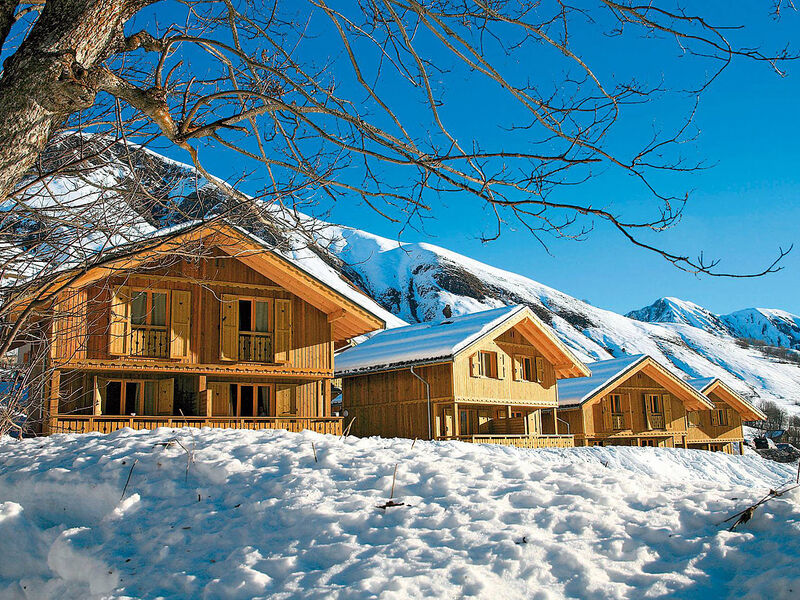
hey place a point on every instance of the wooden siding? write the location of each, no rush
(504, 389)
(708, 432)
(589, 421)
(394, 403)
(310, 332)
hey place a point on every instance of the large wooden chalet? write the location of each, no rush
(630, 401)
(720, 428)
(236, 336)
(484, 377)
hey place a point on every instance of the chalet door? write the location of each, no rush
(448, 429)
(220, 399)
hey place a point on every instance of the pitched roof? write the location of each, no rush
(744, 407)
(349, 311)
(608, 374)
(439, 341)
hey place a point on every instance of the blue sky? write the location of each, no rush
(740, 210)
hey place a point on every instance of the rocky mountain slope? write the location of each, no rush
(413, 282)
(770, 326)
(418, 282)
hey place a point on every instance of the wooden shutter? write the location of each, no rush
(648, 422)
(120, 325)
(283, 329)
(164, 399)
(285, 400)
(229, 328)
(666, 400)
(714, 418)
(627, 411)
(220, 399)
(475, 365)
(539, 369)
(180, 319)
(605, 408)
(518, 368)
(501, 373)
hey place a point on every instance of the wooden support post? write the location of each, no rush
(741, 448)
(204, 399)
(52, 400)
(555, 421)
(456, 420)
(326, 400)
(97, 399)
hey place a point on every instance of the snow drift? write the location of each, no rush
(279, 515)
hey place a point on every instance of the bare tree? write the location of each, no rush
(323, 101)
(319, 97)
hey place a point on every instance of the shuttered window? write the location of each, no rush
(255, 329)
(150, 323)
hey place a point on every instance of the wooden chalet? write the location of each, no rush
(720, 428)
(206, 327)
(484, 377)
(629, 401)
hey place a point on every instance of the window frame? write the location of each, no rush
(135, 291)
(493, 364)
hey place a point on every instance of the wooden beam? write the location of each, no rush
(97, 399)
(336, 315)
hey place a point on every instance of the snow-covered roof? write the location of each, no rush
(422, 342)
(608, 374)
(708, 385)
(436, 341)
(702, 383)
(573, 392)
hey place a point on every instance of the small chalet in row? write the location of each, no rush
(720, 427)
(206, 326)
(636, 401)
(484, 377)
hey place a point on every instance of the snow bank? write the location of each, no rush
(256, 515)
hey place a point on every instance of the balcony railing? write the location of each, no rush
(617, 422)
(149, 342)
(519, 441)
(109, 424)
(255, 347)
(657, 421)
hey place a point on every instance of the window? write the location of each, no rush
(653, 403)
(137, 397)
(616, 404)
(149, 324)
(254, 316)
(693, 418)
(528, 369)
(251, 401)
(484, 364)
(721, 416)
(255, 329)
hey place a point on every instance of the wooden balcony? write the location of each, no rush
(657, 421)
(255, 347)
(617, 422)
(519, 441)
(149, 342)
(109, 423)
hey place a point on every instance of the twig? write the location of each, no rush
(347, 429)
(745, 515)
(414, 442)
(128, 480)
(315, 451)
(394, 477)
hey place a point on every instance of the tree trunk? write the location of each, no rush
(45, 80)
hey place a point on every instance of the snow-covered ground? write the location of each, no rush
(255, 515)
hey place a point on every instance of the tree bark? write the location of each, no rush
(45, 80)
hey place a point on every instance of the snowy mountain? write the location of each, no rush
(675, 310)
(419, 282)
(413, 282)
(770, 326)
